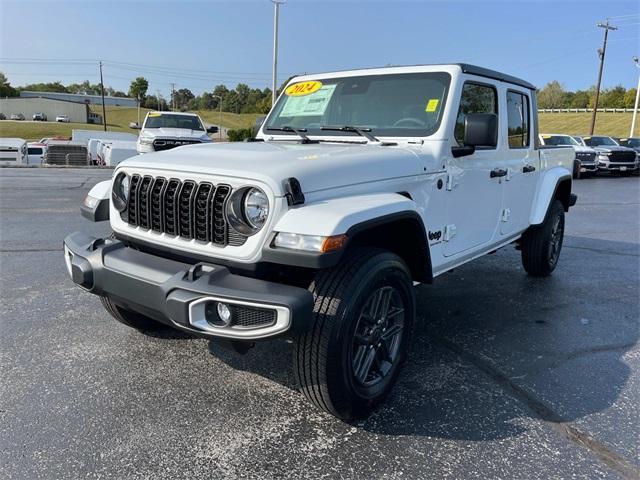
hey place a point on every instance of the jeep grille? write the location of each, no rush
(185, 209)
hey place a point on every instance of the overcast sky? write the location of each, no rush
(199, 44)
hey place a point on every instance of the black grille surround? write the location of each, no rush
(160, 144)
(622, 157)
(182, 208)
(586, 157)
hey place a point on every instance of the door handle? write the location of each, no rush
(498, 172)
(528, 169)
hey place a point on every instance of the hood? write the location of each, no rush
(612, 148)
(166, 132)
(317, 166)
(581, 149)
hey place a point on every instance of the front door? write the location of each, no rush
(474, 196)
(522, 163)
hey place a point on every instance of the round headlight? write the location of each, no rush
(247, 210)
(120, 192)
(256, 208)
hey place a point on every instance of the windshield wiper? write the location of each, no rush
(301, 132)
(362, 131)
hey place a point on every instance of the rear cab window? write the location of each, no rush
(518, 119)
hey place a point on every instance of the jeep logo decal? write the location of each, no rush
(435, 235)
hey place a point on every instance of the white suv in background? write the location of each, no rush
(167, 130)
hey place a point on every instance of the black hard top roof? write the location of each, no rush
(465, 67)
(503, 77)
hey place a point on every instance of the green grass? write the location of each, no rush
(118, 119)
(614, 124)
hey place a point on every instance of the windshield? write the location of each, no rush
(633, 143)
(597, 141)
(396, 105)
(168, 120)
(559, 140)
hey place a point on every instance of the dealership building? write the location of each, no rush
(81, 98)
(77, 112)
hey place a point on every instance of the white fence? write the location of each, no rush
(578, 110)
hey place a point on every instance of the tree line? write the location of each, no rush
(241, 99)
(554, 95)
(244, 99)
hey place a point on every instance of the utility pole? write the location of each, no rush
(104, 110)
(158, 98)
(173, 97)
(220, 116)
(276, 14)
(635, 107)
(601, 52)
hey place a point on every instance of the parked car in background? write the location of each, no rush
(17, 116)
(586, 157)
(611, 156)
(36, 152)
(634, 143)
(319, 230)
(167, 130)
(39, 117)
(13, 151)
(63, 118)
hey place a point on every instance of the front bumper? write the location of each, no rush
(606, 166)
(176, 293)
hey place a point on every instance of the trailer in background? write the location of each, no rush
(13, 151)
(83, 136)
(115, 152)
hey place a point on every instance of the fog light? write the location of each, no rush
(224, 312)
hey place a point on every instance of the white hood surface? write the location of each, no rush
(167, 132)
(317, 166)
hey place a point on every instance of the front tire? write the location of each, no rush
(351, 356)
(132, 319)
(541, 244)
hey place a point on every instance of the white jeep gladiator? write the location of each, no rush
(167, 130)
(358, 186)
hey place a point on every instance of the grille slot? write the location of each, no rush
(219, 224)
(622, 157)
(186, 209)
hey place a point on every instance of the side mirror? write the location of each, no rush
(134, 125)
(212, 129)
(480, 130)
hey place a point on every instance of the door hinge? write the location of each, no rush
(449, 182)
(506, 213)
(449, 232)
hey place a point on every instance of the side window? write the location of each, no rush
(517, 120)
(476, 98)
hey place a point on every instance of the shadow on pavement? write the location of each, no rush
(493, 345)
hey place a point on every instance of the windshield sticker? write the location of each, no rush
(432, 105)
(303, 88)
(546, 136)
(156, 114)
(309, 105)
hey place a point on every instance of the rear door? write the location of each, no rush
(522, 163)
(474, 196)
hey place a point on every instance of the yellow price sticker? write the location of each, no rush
(303, 88)
(432, 105)
(155, 114)
(546, 136)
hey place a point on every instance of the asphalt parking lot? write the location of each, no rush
(510, 376)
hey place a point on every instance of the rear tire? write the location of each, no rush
(132, 319)
(351, 356)
(541, 244)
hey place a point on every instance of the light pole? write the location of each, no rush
(635, 107)
(220, 118)
(274, 84)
